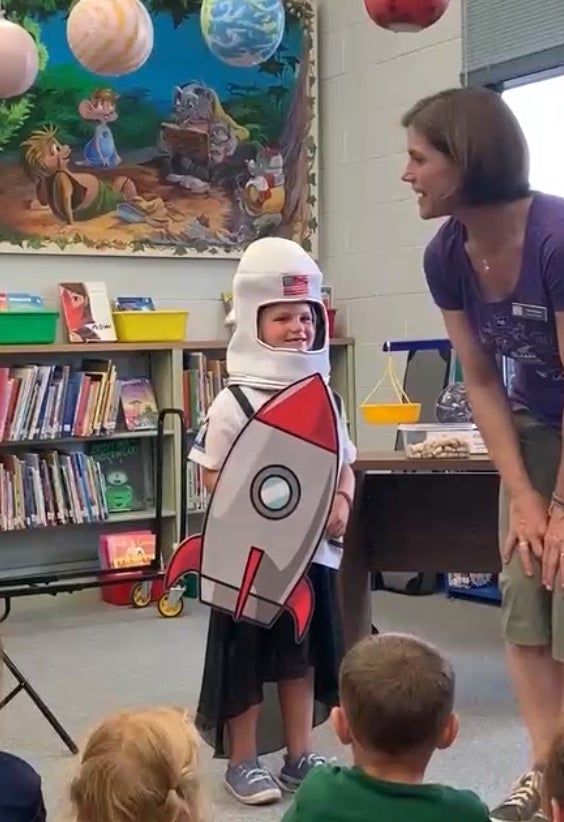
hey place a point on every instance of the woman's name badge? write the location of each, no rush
(529, 312)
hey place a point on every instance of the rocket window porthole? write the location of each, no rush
(275, 492)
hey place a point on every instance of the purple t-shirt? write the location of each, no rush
(521, 327)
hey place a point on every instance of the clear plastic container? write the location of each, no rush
(441, 440)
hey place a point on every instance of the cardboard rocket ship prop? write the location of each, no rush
(269, 510)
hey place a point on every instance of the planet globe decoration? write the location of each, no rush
(110, 37)
(243, 33)
(19, 59)
(405, 15)
(452, 405)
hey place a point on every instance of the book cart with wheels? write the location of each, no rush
(141, 577)
(56, 558)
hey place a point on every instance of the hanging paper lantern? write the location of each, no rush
(19, 59)
(110, 37)
(243, 32)
(405, 15)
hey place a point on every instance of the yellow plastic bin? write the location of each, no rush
(400, 411)
(150, 326)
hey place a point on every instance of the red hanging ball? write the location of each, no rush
(405, 15)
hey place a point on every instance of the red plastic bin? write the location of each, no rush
(120, 593)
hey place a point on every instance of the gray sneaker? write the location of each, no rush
(294, 772)
(252, 784)
(523, 802)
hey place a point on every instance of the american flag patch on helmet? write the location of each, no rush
(295, 285)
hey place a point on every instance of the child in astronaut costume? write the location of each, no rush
(262, 691)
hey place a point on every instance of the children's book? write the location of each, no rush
(139, 404)
(16, 301)
(327, 296)
(124, 471)
(134, 304)
(87, 312)
(128, 550)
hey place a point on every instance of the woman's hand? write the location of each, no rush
(528, 523)
(553, 557)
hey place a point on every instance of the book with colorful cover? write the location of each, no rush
(131, 549)
(134, 304)
(87, 312)
(16, 301)
(124, 471)
(139, 405)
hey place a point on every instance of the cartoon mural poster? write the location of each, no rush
(185, 155)
(267, 515)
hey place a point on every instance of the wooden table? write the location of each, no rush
(416, 515)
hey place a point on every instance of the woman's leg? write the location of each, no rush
(529, 630)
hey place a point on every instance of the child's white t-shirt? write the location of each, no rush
(224, 421)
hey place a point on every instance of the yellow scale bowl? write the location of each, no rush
(391, 413)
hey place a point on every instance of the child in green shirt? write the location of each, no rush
(397, 698)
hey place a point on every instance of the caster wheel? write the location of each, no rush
(168, 609)
(141, 596)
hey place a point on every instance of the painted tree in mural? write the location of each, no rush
(298, 155)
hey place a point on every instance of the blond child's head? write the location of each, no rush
(397, 698)
(554, 778)
(140, 765)
(287, 325)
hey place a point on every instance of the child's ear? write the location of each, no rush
(449, 732)
(557, 813)
(341, 726)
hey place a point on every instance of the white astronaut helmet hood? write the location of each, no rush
(275, 270)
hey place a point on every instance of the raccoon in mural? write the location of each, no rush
(203, 145)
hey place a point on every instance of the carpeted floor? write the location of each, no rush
(86, 659)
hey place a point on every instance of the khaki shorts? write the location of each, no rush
(530, 614)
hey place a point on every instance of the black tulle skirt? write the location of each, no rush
(244, 662)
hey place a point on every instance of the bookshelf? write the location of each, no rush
(55, 557)
(58, 534)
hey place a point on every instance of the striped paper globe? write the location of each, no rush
(19, 60)
(110, 37)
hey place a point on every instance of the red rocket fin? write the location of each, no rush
(249, 574)
(186, 559)
(300, 604)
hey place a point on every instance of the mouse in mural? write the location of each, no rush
(201, 140)
(101, 108)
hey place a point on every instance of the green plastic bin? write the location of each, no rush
(191, 587)
(28, 327)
